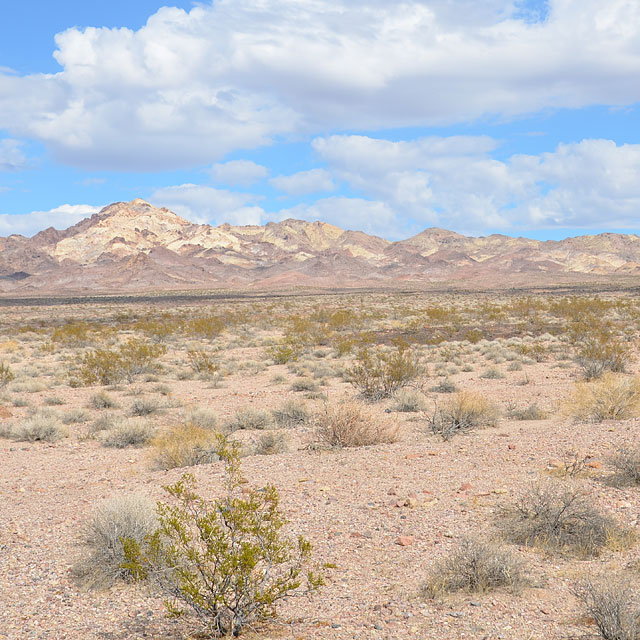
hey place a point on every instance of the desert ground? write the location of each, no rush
(382, 511)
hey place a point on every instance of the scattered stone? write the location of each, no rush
(405, 541)
(465, 486)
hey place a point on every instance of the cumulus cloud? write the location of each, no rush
(347, 213)
(238, 172)
(456, 183)
(27, 224)
(303, 182)
(12, 158)
(188, 87)
(203, 204)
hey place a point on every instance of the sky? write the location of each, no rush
(519, 117)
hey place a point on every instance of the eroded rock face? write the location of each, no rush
(136, 246)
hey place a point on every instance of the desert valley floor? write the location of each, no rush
(380, 517)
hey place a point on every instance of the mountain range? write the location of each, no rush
(133, 246)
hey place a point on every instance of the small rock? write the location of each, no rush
(465, 486)
(511, 447)
(392, 492)
(594, 464)
(405, 541)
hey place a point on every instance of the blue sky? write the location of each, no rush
(500, 116)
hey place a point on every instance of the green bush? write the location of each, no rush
(109, 366)
(226, 559)
(6, 375)
(600, 351)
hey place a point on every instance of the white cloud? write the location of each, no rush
(12, 157)
(203, 204)
(303, 182)
(27, 224)
(347, 213)
(454, 182)
(188, 87)
(238, 172)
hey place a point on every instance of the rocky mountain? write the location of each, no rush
(133, 246)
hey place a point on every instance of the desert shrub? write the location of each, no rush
(144, 406)
(42, 426)
(532, 412)
(408, 401)
(250, 419)
(6, 375)
(516, 365)
(444, 386)
(127, 432)
(185, 445)
(202, 417)
(612, 397)
(291, 414)
(461, 413)
(102, 400)
(349, 424)
(71, 334)
(75, 416)
(201, 362)
(204, 326)
(130, 517)
(109, 366)
(271, 444)
(54, 401)
(600, 351)
(475, 567)
(613, 608)
(379, 374)
(304, 384)
(288, 349)
(627, 465)
(560, 519)
(227, 559)
(492, 374)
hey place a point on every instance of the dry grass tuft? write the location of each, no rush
(475, 567)
(119, 518)
(461, 413)
(612, 397)
(42, 426)
(350, 424)
(185, 445)
(126, 432)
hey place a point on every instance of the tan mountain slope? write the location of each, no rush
(133, 246)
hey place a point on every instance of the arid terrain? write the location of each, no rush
(133, 247)
(381, 513)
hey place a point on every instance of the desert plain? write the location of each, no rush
(266, 370)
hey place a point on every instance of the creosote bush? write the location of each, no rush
(350, 424)
(123, 517)
(201, 362)
(102, 400)
(226, 560)
(6, 375)
(378, 374)
(612, 397)
(475, 567)
(184, 445)
(463, 412)
(111, 366)
(600, 351)
(560, 519)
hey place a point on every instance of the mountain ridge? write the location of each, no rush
(135, 246)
